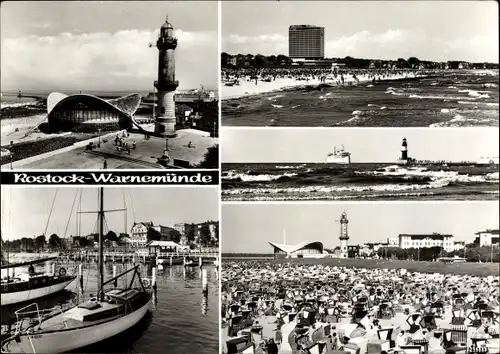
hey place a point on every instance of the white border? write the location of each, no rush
(219, 271)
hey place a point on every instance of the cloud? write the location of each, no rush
(390, 44)
(101, 60)
(263, 44)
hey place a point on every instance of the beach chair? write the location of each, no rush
(428, 321)
(238, 344)
(413, 321)
(234, 326)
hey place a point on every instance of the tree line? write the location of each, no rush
(259, 61)
(472, 253)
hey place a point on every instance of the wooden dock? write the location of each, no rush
(137, 256)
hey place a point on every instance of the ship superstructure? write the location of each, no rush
(339, 156)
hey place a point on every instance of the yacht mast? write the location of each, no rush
(100, 296)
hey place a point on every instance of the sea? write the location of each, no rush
(469, 99)
(357, 181)
(181, 320)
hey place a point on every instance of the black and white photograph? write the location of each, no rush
(360, 63)
(110, 270)
(360, 277)
(359, 164)
(129, 83)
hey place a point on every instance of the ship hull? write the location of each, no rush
(339, 160)
(32, 294)
(70, 339)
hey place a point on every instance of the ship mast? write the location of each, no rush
(100, 279)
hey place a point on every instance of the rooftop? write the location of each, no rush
(434, 236)
(488, 231)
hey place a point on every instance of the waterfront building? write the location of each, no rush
(212, 227)
(458, 245)
(306, 42)
(393, 242)
(302, 250)
(139, 233)
(487, 238)
(89, 113)
(427, 240)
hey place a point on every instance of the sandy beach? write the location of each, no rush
(20, 130)
(248, 87)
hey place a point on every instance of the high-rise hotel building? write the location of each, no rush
(306, 41)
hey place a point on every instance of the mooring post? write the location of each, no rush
(204, 281)
(200, 262)
(170, 260)
(114, 275)
(53, 268)
(154, 280)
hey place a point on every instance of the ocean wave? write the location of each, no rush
(275, 97)
(240, 195)
(277, 106)
(253, 177)
(328, 189)
(490, 84)
(460, 121)
(289, 167)
(352, 121)
(438, 179)
(394, 92)
(476, 94)
(442, 97)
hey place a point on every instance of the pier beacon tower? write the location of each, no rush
(404, 150)
(344, 236)
(166, 84)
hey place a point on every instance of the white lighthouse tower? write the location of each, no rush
(344, 236)
(166, 83)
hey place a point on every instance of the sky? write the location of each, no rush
(365, 145)
(103, 45)
(428, 30)
(166, 206)
(247, 228)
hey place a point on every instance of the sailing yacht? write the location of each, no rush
(107, 314)
(33, 285)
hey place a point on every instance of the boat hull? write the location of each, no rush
(32, 294)
(66, 340)
(339, 160)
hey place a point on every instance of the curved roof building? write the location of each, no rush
(89, 113)
(302, 250)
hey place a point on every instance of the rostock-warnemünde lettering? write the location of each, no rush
(112, 179)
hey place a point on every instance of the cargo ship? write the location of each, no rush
(339, 156)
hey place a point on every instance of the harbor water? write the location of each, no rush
(181, 318)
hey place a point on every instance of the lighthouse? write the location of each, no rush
(166, 83)
(344, 236)
(404, 150)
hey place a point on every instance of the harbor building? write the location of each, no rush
(306, 42)
(139, 233)
(427, 240)
(487, 238)
(344, 236)
(302, 250)
(166, 83)
(89, 113)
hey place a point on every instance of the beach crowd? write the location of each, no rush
(337, 75)
(297, 308)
